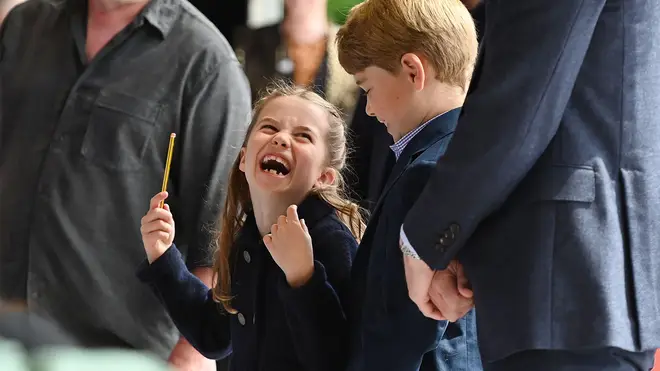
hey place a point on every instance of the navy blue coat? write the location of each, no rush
(276, 327)
(390, 333)
(549, 193)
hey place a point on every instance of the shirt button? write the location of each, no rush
(246, 256)
(241, 319)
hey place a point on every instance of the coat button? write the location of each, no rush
(454, 229)
(241, 319)
(246, 256)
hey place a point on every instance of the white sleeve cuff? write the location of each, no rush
(406, 247)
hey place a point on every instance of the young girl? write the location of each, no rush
(287, 240)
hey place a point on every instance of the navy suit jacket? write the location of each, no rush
(389, 331)
(549, 193)
(276, 327)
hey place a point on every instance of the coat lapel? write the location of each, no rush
(437, 129)
(434, 131)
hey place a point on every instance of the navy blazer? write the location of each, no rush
(549, 193)
(276, 327)
(389, 331)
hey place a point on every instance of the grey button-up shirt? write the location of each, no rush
(82, 150)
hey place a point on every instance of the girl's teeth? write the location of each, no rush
(274, 159)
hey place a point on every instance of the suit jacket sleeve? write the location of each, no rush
(215, 115)
(316, 311)
(190, 304)
(533, 51)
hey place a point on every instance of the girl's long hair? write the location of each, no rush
(238, 202)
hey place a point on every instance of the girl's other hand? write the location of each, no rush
(290, 245)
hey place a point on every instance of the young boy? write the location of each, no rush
(414, 59)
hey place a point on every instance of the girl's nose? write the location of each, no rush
(280, 140)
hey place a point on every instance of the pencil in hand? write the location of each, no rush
(168, 162)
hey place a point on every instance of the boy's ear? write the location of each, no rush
(328, 177)
(413, 68)
(241, 162)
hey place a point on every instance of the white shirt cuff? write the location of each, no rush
(406, 243)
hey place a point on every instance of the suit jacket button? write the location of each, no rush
(246, 256)
(241, 319)
(454, 229)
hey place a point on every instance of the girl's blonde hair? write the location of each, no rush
(238, 201)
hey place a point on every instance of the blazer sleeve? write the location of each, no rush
(533, 51)
(316, 311)
(190, 304)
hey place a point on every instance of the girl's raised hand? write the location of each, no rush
(157, 228)
(290, 245)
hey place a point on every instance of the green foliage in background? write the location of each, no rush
(338, 9)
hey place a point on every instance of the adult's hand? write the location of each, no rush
(450, 292)
(185, 358)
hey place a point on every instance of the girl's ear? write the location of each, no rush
(327, 178)
(241, 163)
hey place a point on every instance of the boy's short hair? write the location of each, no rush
(379, 32)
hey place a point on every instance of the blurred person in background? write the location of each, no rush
(305, 30)
(30, 342)
(29, 329)
(86, 111)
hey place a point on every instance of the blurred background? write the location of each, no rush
(273, 39)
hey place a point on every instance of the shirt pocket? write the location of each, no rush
(119, 129)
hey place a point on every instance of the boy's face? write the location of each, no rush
(390, 96)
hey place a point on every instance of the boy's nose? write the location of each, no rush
(368, 110)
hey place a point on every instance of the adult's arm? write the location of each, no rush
(533, 52)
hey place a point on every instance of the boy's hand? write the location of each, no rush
(157, 228)
(290, 245)
(418, 278)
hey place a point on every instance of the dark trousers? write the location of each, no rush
(606, 359)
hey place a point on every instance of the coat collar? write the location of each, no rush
(435, 130)
(313, 209)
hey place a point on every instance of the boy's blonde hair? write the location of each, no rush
(379, 32)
